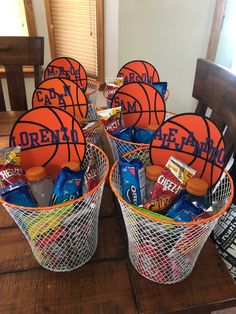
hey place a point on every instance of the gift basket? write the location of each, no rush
(57, 214)
(167, 231)
(91, 91)
(93, 126)
(137, 90)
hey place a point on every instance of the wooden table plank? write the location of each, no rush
(16, 254)
(5, 219)
(208, 287)
(96, 288)
(108, 207)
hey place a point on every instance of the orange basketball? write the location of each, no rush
(139, 71)
(61, 93)
(195, 140)
(67, 68)
(47, 97)
(141, 104)
(48, 137)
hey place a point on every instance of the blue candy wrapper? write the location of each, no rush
(132, 175)
(142, 135)
(125, 134)
(161, 87)
(18, 193)
(68, 186)
(183, 210)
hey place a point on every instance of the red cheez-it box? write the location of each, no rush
(164, 192)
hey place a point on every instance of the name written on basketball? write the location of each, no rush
(61, 71)
(126, 106)
(46, 99)
(46, 136)
(189, 144)
(132, 77)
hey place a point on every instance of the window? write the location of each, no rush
(16, 18)
(76, 30)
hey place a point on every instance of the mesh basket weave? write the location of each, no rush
(162, 251)
(64, 237)
(93, 134)
(120, 147)
(91, 91)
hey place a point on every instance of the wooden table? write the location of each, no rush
(108, 283)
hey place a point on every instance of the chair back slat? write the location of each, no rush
(2, 101)
(16, 87)
(215, 88)
(16, 52)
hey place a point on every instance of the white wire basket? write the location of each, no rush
(163, 251)
(94, 133)
(64, 237)
(91, 91)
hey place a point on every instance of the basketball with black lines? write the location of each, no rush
(47, 97)
(193, 139)
(48, 137)
(139, 71)
(61, 93)
(68, 68)
(141, 105)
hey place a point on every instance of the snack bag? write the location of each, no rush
(111, 119)
(68, 186)
(10, 170)
(184, 210)
(125, 134)
(142, 135)
(111, 87)
(132, 175)
(171, 181)
(91, 178)
(161, 87)
(13, 186)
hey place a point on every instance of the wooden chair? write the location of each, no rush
(215, 89)
(16, 52)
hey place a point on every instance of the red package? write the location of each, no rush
(149, 263)
(171, 181)
(112, 86)
(165, 191)
(111, 119)
(10, 170)
(91, 178)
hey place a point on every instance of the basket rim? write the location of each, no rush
(191, 223)
(140, 145)
(98, 123)
(94, 91)
(49, 208)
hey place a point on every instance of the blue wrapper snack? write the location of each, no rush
(183, 210)
(68, 186)
(142, 135)
(125, 134)
(161, 87)
(18, 193)
(132, 175)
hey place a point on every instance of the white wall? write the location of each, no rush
(111, 21)
(227, 43)
(171, 34)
